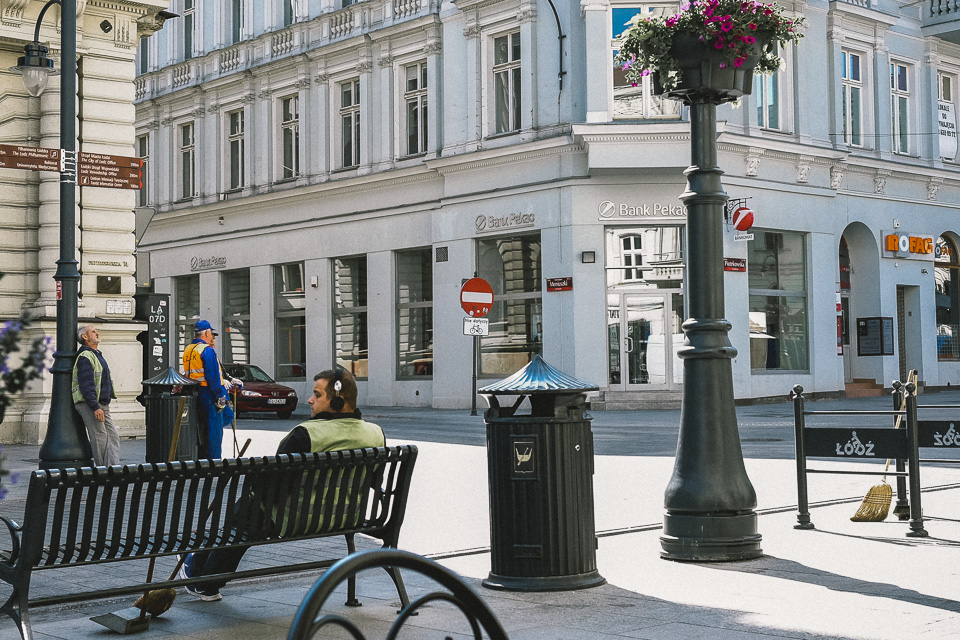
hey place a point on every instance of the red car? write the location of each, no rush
(260, 393)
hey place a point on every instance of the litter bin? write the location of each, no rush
(162, 395)
(540, 471)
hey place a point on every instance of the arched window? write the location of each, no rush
(947, 281)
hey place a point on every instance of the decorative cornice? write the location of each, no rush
(803, 169)
(213, 108)
(751, 163)
(880, 181)
(527, 14)
(432, 47)
(364, 66)
(836, 176)
(933, 187)
(472, 31)
(265, 94)
(321, 78)
(385, 61)
(302, 83)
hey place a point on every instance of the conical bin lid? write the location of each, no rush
(171, 377)
(538, 377)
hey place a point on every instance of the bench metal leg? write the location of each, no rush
(902, 509)
(352, 580)
(916, 507)
(17, 607)
(394, 573)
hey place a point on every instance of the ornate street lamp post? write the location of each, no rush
(709, 500)
(65, 444)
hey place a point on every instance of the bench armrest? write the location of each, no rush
(15, 530)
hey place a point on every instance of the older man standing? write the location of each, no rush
(92, 392)
(201, 363)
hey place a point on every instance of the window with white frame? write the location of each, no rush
(289, 12)
(946, 117)
(235, 144)
(415, 107)
(900, 107)
(851, 97)
(290, 137)
(637, 100)
(187, 150)
(350, 123)
(414, 313)
(290, 322)
(350, 314)
(187, 298)
(236, 20)
(188, 26)
(631, 257)
(235, 290)
(507, 98)
(766, 92)
(143, 152)
(143, 56)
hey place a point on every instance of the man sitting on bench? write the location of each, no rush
(335, 424)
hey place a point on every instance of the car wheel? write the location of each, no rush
(283, 415)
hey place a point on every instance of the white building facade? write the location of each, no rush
(107, 37)
(323, 178)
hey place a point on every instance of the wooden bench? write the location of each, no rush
(88, 516)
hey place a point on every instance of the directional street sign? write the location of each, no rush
(104, 160)
(108, 176)
(31, 158)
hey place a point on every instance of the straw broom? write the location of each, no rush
(876, 504)
(158, 601)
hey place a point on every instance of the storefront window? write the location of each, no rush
(645, 257)
(235, 338)
(778, 302)
(414, 313)
(188, 310)
(350, 314)
(290, 322)
(947, 281)
(512, 266)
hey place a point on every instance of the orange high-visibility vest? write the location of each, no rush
(193, 365)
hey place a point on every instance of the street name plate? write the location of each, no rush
(104, 160)
(30, 158)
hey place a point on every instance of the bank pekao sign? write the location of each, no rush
(505, 222)
(610, 210)
(204, 264)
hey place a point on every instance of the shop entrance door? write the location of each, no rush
(644, 335)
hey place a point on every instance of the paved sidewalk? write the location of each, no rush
(841, 580)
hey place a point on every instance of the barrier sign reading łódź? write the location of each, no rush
(30, 158)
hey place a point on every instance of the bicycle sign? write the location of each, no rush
(476, 326)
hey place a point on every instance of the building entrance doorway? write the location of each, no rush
(644, 335)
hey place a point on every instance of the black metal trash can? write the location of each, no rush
(162, 395)
(540, 470)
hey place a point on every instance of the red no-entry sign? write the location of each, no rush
(476, 297)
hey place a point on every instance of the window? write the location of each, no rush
(350, 314)
(237, 20)
(778, 302)
(290, 135)
(289, 12)
(506, 82)
(947, 281)
(766, 91)
(236, 316)
(143, 152)
(235, 142)
(851, 90)
(290, 322)
(350, 123)
(512, 266)
(899, 107)
(188, 311)
(638, 101)
(414, 313)
(631, 255)
(415, 99)
(187, 22)
(187, 161)
(143, 58)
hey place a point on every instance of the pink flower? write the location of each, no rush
(718, 44)
(738, 62)
(726, 25)
(749, 39)
(753, 26)
(645, 72)
(671, 21)
(723, 65)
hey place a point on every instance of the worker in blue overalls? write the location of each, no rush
(200, 363)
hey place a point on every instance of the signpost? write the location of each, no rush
(94, 169)
(476, 300)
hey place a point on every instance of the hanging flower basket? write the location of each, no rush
(710, 50)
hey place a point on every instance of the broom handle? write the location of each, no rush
(911, 377)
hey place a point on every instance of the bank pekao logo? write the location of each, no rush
(950, 439)
(607, 209)
(481, 223)
(854, 447)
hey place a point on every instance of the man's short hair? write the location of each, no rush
(348, 389)
(82, 332)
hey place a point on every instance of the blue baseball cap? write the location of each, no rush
(203, 325)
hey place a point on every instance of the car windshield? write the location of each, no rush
(247, 372)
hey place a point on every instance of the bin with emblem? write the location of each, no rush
(540, 471)
(162, 396)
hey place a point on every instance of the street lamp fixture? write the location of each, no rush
(65, 444)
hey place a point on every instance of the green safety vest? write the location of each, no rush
(97, 376)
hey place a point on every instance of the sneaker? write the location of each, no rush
(207, 595)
